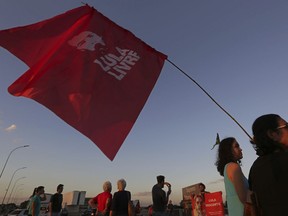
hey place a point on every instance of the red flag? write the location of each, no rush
(92, 73)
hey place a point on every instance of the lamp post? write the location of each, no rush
(16, 193)
(13, 189)
(10, 183)
(9, 157)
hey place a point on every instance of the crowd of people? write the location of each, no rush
(264, 192)
(104, 203)
(118, 204)
(265, 189)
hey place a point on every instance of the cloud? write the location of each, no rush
(217, 181)
(17, 140)
(143, 194)
(11, 128)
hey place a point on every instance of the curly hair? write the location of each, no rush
(261, 142)
(225, 154)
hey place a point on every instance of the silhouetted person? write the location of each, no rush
(56, 200)
(159, 197)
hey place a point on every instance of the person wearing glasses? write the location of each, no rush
(236, 184)
(268, 177)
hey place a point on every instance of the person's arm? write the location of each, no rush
(50, 205)
(167, 198)
(107, 205)
(50, 208)
(129, 195)
(33, 208)
(236, 176)
(92, 203)
(112, 213)
(168, 192)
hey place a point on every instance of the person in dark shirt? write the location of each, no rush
(268, 175)
(56, 200)
(159, 197)
(120, 200)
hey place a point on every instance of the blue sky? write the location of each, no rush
(237, 51)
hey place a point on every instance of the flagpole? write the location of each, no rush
(211, 98)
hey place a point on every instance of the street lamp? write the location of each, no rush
(13, 189)
(10, 183)
(16, 193)
(9, 157)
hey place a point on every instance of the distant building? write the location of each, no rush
(73, 201)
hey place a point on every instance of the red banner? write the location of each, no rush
(214, 204)
(92, 73)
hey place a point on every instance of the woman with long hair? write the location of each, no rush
(236, 185)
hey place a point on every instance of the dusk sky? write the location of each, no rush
(236, 50)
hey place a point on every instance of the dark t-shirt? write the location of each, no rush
(268, 178)
(120, 202)
(56, 200)
(159, 198)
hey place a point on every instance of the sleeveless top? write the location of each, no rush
(235, 206)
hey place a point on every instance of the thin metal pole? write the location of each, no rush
(10, 183)
(16, 193)
(12, 190)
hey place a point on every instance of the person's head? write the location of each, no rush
(270, 134)
(107, 186)
(202, 187)
(228, 151)
(121, 184)
(161, 180)
(60, 188)
(40, 190)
